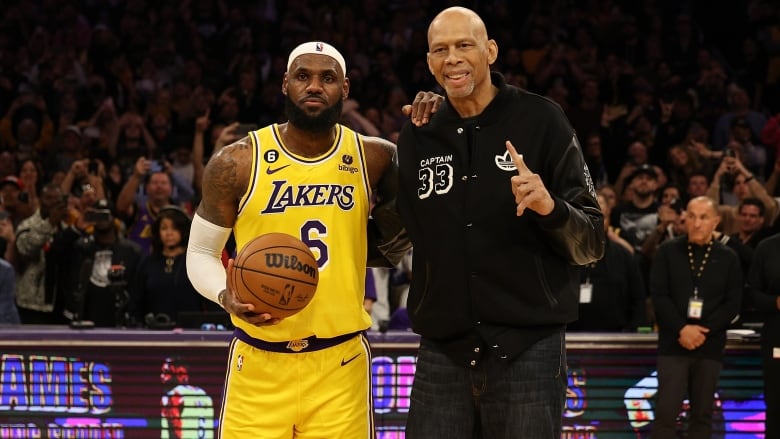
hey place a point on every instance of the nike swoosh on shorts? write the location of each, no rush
(345, 362)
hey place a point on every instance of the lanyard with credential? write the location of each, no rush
(696, 304)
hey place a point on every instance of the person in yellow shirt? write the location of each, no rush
(307, 375)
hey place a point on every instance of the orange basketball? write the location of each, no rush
(277, 273)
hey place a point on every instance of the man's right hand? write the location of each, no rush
(692, 336)
(425, 104)
(244, 311)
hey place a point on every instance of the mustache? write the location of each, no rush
(317, 123)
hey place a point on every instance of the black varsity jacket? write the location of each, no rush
(475, 262)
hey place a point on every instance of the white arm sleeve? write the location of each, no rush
(204, 257)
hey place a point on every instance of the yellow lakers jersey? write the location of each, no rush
(324, 201)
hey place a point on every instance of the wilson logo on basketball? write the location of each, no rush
(279, 260)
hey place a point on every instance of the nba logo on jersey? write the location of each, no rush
(240, 363)
(318, 47)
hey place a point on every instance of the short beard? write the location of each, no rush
(313, 124)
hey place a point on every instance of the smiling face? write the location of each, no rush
(460, 54)
(750, 218)
(159, 188)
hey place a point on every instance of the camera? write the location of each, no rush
(97, 215)
(117, 285)
(116, 274)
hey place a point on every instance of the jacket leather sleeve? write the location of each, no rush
(388, 241)
(576, 224)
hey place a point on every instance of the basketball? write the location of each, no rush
(277, 273)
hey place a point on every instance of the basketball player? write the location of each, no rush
(187, 411)
(308, 375)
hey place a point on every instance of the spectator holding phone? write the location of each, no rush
(26, 129)
(131, 140)
(140, 209)
(84, 173)
(732, 183)
(103, 263)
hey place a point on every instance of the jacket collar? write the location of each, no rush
(494, 107)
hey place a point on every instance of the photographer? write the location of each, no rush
(100, 255)
(731, 184)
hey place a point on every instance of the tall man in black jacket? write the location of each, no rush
(497, 238)
(696, 286)
(764, 290)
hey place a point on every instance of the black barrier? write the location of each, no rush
(64, 383)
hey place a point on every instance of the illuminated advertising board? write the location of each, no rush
(120, 384)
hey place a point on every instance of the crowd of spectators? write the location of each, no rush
(115, 105)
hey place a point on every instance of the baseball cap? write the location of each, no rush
(102, 204)
(12, 180)
(644, 169)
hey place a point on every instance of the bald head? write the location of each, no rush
(701, 219)
(459, 57)
(705, 203)
(460, 18)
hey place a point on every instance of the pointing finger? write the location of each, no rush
(517, 159)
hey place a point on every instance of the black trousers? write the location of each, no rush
(679, 376)
(771, 367)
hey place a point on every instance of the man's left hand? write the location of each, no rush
(528, 188)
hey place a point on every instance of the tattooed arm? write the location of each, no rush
(225, 180)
